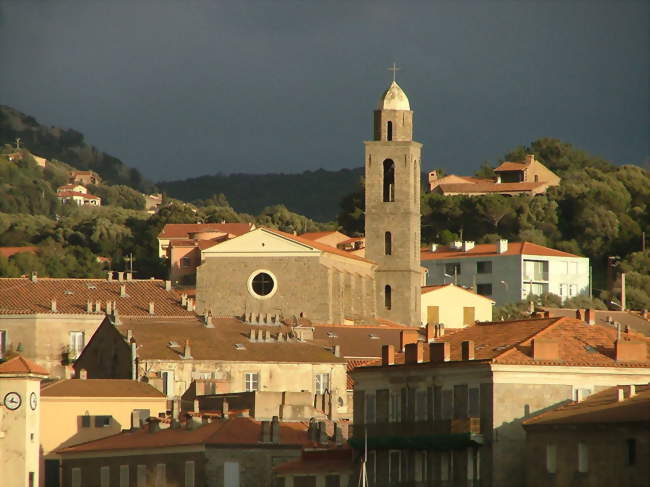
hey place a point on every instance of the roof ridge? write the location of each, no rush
(544, 329)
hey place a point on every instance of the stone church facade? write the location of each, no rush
(267, 273)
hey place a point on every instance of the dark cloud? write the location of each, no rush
(188, 88)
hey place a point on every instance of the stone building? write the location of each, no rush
(451, 410)
(602, 440)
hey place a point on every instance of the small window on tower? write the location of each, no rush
(389, 131)
(388, 244)
(388, 297)
(389, 180)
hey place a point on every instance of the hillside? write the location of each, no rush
(315, 194)
(67, 145)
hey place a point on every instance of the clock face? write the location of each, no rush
(32, 401)
(12, 400)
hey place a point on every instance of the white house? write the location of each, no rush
(507, 271)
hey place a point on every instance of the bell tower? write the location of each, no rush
(392, 178)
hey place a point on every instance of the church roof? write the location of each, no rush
(394, 98)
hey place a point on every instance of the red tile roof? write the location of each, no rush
(428, 289)
(9, 251)
(485, 250)
(24, 296)
(68, 194)
(99, 388)
(20, 365)
(488, 186)
(183, 230)
(358, 341)
(236, 432)
(602, 407)
(317, 235)
(511, 166)
(633, 321)
(353, 364)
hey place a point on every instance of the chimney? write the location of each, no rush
(34, 276)
(252, 337)
(530, 158)
(631, 391)
(266, 432)
(338, 434)
(337, 350)
(183, 299)
(83, 374)
(120, 276)
(151, 308)
(414, 353)
(620, 394)
(498, 181)
(580, 314)
(545, 349)
(207, 320)
(275, 430)
(98, 306)
(502, 246)
(622, 291)
(225, 408)
(89, 306)
(109, 276)
(129, 335)
(190, 304)
(387, 355)
(457, 245)
(129, 276)
(439, 352)
(547, 314)
(168, 285)
(431, 332)
(187, 353)
(467, 350)
(313, 430)
(322, 433)
(468, 245)
(196, 405)
(53, 305)
(434, 247)
(109, 307)
(433, 176)
(406, 337)
(153, 425)
(122, 291)
(590, 316)
(630, 351)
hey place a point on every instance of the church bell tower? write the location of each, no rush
(392, 179)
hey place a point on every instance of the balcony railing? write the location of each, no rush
(419, 428)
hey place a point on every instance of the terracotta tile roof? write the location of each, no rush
(242, 432)
(510, 342)
(9, 251)
(317, 235)
(324, 461)
(68, 194)
(487, 250)
(318, 245)
(428, 289)
(511, 166)
(488, 186)
(153, 337)
(21, 365)
(358, 341)
(602, 407)
(633, 321)
(353, 364)
(99, 388)
(23, 296)
(183, 230)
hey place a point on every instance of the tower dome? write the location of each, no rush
(394, 98)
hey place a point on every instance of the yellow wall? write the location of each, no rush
(451, 301)
(61, 417)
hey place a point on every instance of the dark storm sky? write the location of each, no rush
(185, 88)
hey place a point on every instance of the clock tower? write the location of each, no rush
(20, 382)
(392, 178)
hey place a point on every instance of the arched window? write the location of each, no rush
(388, 297)
(388, 244)
(389, 180)
(389, 131)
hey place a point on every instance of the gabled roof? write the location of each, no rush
(236, 432)
(490, 250)
(183, 230)
(21, 365)
(24, 296)
(69, 194)
(358, 341)
(319, 235)
(154, 337)
(511, 166)
(117, 388)
(608, 317)
(600, 408)
(429, 289)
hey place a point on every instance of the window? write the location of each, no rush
(583, 457)
(470, 463)
(551, 458)
(161, 475)
(124, 476)
(395, 407)
(189, 474)
(77, 343)
(388, 244)
(420, 466)
(30, 479)
(167, 382)
(102, 421)
(445, 466)
(321, 383)
(469, 314)
(371, 408)
(394, 466)
(421, 405)
(186, 262)
(3, 343)
(141, 476)
(572, 290)
(251, 381)
(371, 467)
(447, 404)
(474, 402)
(389, 180)
(563, 290)
(262, 284)
(75, 477)
(631, 451)
(452, 269)
(85, 421)
(389, 131)
(535, 270)
(332, 481)
(484, 289)
(484, 267)
(105, 477)
(388, 300)
(572, 267)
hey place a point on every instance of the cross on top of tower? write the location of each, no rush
(394, 69)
